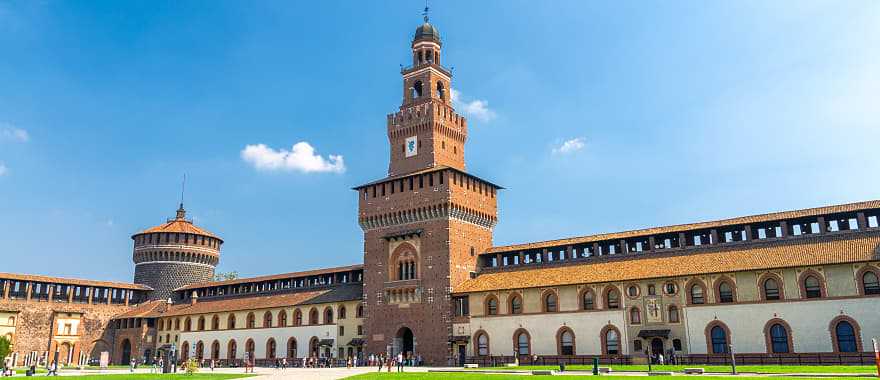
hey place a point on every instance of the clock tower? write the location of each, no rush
(426, 222)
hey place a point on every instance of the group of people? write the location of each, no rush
(400, 361)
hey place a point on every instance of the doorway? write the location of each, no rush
(462, 354)
(404, 342)
(656, 347)
(126, 352)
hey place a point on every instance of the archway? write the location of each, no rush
(404, 342)
(656, 347)
(64, 352)
(126, 352)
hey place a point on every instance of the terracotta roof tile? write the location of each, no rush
(272, 277)
(251, 302)
(692, 226)
(145, 310)
(72, 281)
(178, 226)
(820, 250)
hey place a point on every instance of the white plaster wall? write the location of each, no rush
(809, 321)
(303, 335)
(543, 327)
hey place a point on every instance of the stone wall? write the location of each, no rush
(164, 277)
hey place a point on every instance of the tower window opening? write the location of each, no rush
(441, 91)
(417, 90)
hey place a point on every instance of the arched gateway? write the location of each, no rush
(404, 342)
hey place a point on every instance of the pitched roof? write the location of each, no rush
(271, 277)
(72, 281)
(254, 302)
(849, 207)
(144, 310)
(819, 250)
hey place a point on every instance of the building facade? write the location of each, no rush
(789, 285)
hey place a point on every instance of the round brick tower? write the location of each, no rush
(174, 254)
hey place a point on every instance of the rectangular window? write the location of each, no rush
(441, 177)
(341, 330)
(873, 222)
(431, 180)
(411, 183)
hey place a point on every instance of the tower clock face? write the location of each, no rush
(411, 146)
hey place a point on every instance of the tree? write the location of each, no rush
(4, 349)
(226, 276)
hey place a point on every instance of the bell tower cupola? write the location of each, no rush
(426, 132)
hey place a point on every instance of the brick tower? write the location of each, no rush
(426, 222)
(174, 254)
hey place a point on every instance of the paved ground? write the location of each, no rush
(265, 373)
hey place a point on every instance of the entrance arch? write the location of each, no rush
(405, 342)
(656, 347)
(126, 352)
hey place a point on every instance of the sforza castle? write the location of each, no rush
(793, 286)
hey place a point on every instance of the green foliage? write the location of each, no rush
(192, 366)
(226, 276)
(5, 349)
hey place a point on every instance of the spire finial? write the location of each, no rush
(425, 13)
(181, 213)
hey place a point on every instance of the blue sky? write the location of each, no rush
(596, 116)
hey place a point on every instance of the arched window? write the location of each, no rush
(417, 90)
(270, 349)
(588, 301)
(297, 318)
(523, 342)
(779, 339)
(291, 348)
(515, 304)
(215, 322)
(184, 351)
(441, 91)
(187, 324)
(267, 319)
(697, 294)
(231, 349)
(635, 316)
(673, 314)
(201, 323)
(328, 315)
(612, 299)
(200, 350)
(313, 316)
(610, 341)
(771, 289)
(282, 318)
(550, 302)
(359, 312)
(718, 339)
(846, 336)
(632, 291)
(482, 347)
(565, 341)
(812, 287)
(870, 283)
(725, 292)
(251, 321)
(492, 306)
(215, 350)
(341, 312)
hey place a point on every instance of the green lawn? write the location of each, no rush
(474, 376)
(149, 376)
(713, 368)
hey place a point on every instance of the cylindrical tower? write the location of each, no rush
(174, 254)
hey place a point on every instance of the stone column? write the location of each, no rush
(784, 226)
(52, 293)
(91, 292)
(29, 289)
(714, 236)
(6, 287)
(748, 229)
(823, 228)
(682, 240)
(651, 242)
(70, 290)
(863, 222)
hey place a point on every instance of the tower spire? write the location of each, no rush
(181, 212)
(425, 13)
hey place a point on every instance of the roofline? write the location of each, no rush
(72, 281)
(430, 170)
(813, 211)
(279, 276)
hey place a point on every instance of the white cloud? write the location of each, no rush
(477, 109)
(301, 158)
(570, 146)
(11, 133)
(3, 169)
